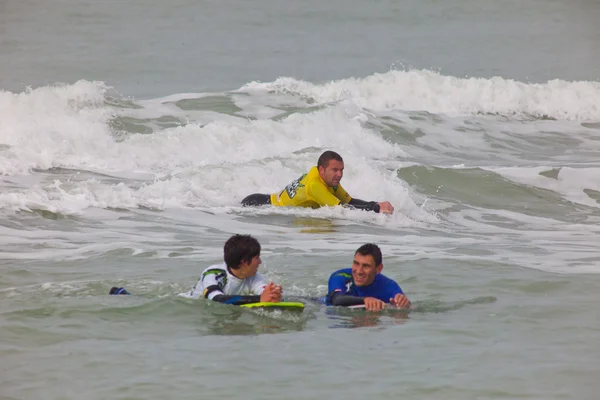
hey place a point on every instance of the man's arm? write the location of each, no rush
(383, 206)
(364, 205)
(397, 296)
(323, 197)
(336, 285)
(271, 294)
(211, 277)
(400, 301)
(341, 194)
(212, 285)
(337, 298)
(337, 293)
(235, 300)
(268, 293)
(214, 293)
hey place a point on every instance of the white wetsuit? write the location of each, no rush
(217, 279)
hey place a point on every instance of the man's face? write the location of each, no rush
(249, 269)
(364, 269)
(332, 174)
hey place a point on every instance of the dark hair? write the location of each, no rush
(373, 250)
(328, 156)
(239, 248)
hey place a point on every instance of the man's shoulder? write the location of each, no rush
(344, 272)
(313, 177)
(215, 269)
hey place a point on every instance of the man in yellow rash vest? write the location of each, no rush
(317, 188)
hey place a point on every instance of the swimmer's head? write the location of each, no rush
(331, 168)
(118, 290)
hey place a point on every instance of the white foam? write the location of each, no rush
(570, 183)
(214, 161)
(194, 165)
(423, 90)
(197, 172)
(53, 126)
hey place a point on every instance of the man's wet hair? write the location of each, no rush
(328, 156)
(373, 250)
(240, 248)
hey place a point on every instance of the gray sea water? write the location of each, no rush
(130, 131)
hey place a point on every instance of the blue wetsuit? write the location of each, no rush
(382, 288)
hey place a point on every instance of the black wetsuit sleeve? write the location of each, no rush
(364, 205)
(256, 199)
(236, 300)
(344, 300)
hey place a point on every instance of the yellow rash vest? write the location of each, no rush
(310, 191)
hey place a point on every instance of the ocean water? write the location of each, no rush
(130, 131)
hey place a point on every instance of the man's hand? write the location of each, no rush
(373, 304)
(272, 293)
(400, 301)
(386, 207)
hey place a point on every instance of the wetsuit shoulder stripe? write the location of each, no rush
(214, 271)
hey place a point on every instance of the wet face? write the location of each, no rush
(364, 269)
(332, 174)
(248, 269)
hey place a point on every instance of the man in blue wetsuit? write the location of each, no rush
(364, 283)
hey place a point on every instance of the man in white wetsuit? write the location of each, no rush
(237, 281)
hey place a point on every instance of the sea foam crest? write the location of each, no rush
(424, 90)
